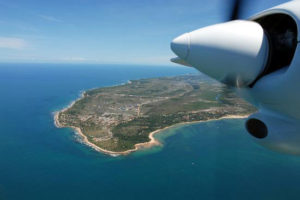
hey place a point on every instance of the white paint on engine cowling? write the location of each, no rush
(283, 133)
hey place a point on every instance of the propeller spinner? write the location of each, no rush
(234, 52)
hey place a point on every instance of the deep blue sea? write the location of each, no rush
(211, 160)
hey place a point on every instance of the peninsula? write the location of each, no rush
(120, 119)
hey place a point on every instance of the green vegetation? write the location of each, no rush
(116, 118)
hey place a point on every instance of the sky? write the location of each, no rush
(105, 31)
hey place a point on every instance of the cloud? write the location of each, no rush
(50, 18)
(12, 43)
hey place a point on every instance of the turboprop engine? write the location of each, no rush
(260, 59)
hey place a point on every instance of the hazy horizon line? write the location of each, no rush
(88, 63)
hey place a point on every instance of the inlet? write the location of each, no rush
(257, 128)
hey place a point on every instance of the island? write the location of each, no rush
(121, 119)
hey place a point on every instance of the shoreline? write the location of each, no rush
(153, 141)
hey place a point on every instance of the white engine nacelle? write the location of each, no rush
(260, 58)
(275, 132)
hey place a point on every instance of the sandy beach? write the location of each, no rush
(151, 143)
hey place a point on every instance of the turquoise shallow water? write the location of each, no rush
(211, 160)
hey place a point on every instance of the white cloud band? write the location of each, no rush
(12, 43)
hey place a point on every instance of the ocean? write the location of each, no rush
(208, 160)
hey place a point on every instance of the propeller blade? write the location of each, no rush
(235, 9)
(180, 61)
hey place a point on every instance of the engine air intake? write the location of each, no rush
(281, 30)
(257, 128)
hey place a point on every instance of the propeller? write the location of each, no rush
(236, 9)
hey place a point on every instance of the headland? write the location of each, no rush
(122, 119)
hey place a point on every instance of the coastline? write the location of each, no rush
(153, 141)
(56, 113)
